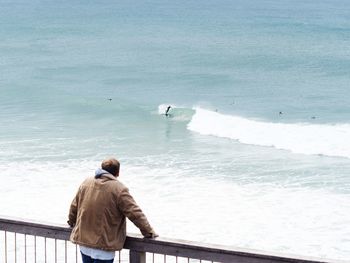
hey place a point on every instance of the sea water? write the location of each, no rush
(256, 150)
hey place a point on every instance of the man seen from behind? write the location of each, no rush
(98, 215)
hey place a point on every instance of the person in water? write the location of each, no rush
(167, 110)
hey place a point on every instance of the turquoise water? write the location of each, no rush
(82, 80)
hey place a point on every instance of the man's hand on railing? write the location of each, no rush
(70, 223)
(152, 235)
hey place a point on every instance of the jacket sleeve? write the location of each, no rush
(72, 216)
(131, 210)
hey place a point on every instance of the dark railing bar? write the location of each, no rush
(25, 248)
(55, 250)
(5, 246)
(45, 251)
(76, 253)
(172, 247)
(15, 247)
(65, 251)
(217, 253)
(34, 249)
(35, 228)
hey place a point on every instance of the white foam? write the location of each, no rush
(304, 138)
(260, 216)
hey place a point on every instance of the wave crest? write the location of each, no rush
(304, 138)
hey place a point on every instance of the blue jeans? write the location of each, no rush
(87, 259)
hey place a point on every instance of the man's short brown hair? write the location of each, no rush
(111, 165)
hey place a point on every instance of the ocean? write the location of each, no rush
(256, 150)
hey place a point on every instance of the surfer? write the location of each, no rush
(167, 110)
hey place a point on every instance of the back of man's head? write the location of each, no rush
(111, 165)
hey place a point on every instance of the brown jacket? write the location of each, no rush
(98, 214)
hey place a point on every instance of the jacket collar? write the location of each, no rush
(100, 172)
(109, 176)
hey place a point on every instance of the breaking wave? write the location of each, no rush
(303, 138)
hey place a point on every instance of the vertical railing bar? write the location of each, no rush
(176, 259)
(76, 253)
(152, 257)
(119, 256)
(25, 248)
(15, 247)
(34, 249)
(65, 251)
(164, 258)
(45, 252)
(5, 246)
(55, 250)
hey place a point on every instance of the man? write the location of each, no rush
(98, 214)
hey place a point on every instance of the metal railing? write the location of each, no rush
(30, 241)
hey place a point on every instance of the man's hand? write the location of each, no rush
(152, 235)
(70, 223)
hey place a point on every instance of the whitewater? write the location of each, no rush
(303, 138)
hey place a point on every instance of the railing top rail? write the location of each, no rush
(174, 247)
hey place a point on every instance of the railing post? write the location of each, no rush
(137, 257)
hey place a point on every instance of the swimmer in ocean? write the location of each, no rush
(167, 110)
